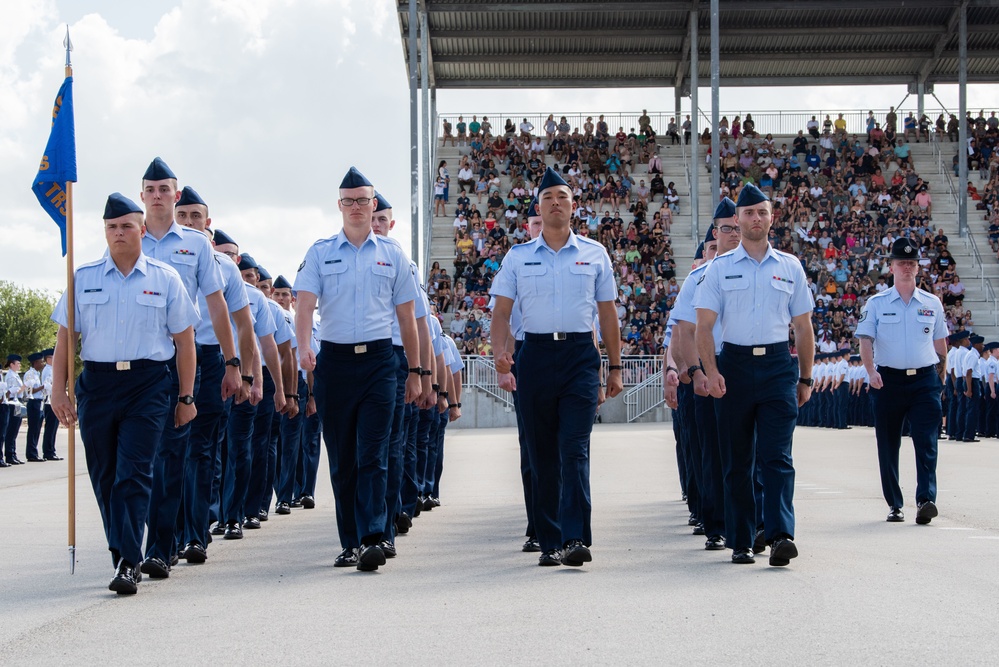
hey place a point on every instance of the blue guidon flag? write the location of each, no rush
(58, 165)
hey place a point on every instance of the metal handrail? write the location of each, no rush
(943, 171)
(480, 373)
(776, 122)
(644, 397)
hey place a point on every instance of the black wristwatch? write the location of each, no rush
(454, 405)
(435, 387)
(693, 369)
(247, 379)
(294, 396)
(426, 372)
(234, 362)
(671, 368)
(417, 370)
(806, 381)
(186, 400)
(442, 394)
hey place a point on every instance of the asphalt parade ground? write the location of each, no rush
(461, 592)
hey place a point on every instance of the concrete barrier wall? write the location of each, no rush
(480, 410)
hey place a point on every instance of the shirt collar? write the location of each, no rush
(140, 264)
(342, 240)
(741, 254)
(572, 242)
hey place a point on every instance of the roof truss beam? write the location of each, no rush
(645, 57)
(942, 42)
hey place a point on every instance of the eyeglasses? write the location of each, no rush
(728, 229)
(350, 201)
(231, 254)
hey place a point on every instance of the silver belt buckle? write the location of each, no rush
(558, 335)
(360, 349)
(759, 351)
(123, 365)
(910, 371)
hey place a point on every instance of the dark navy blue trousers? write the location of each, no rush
(34, 427)
(960, 409)
(558, 383)
(438, 458)
(711, 487)
(49, 432)
(690, 447)
(397, 446)
(971, 406)
(14, 420)
(525, 461)
(916, 398)
(308, 461)
(203, 447)
(260, 449)
(356, 397)
(237, 459)
(291, 446)
(122, 417)
(426, 433)
(409, 490)
(760, 398)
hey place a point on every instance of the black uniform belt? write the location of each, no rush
(905, 372)
(756, 350)
(210, 349)
(559, 335)
(356, 348)
(110, 366)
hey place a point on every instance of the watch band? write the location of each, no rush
(247, 378)
(417, 370)
(234, 362)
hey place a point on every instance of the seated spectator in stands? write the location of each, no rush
(642, 193)
(749, 127)
(923, 200)
(672, 198)
(955, 292)
(813, 127)
(800, 144)
(525, 129)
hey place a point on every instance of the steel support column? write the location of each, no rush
(962, 141)
(428, 180)
(414, 138)
(695, 163)
(715, 111)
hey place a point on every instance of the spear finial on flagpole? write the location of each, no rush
(69, 46)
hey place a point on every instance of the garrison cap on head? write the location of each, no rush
(532, 210)
(264, 274)
(725, 209)
(119, 205)
(854, 357)
(158, 171)
(382, 203)
(751, 195)
(991, 346)
(48, 352)
(221, 238)
(903, 249)
(354, 179)
(961, 335)
(13, 357)
(550, 180)
(976, 339)
(189, 196)
(710, 234)
(281, 283)
(247, 262)
(34, 356)
(699, 253)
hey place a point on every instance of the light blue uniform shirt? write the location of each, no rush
(124, 318)
(235, 298)
(191, 254)
(357, 289)
(516, 319)
(421, 307)
(754, 301)
(283, 327)
(263, 321)
(903, 334)
(436, 335)
(452, 356)
(47, 382)
(683, 306)
(557, 291)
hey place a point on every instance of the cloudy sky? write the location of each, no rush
(260, 105)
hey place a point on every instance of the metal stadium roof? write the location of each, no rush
(645, 43)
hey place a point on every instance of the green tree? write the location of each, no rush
(25, 324)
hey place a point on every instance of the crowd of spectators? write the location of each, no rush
(840, 200)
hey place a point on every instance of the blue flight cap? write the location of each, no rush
(699, 253)
(991, 346)
(264, 275)
(854, 357)
(281, 283)
(158, 171)
(34, 356)
(532, 210)
(751, 195)
(354, 179)
(247, 262)
(976, 339)
(550, 180)
(13, 357)
(48, 352)
(710, 234)
(221, 238)
(189, 196)
(119, 205)
(382, 203)
(725, 209)
(961, 335)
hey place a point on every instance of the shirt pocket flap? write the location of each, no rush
(332, 266)
(732, 283)
(782, 285)
(188, 259)
(93, 298)
(534, 270)
(155, 300)
(891, 318)
(583, 269)
(383, 270)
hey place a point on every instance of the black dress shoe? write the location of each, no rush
(419, 506)
(155, 568)
(714, 543)
(693, 520)
(699, 529)
(965, 440)
(782, 551)
(126, 579)
(576, 553)
(262, 515)
(388, 549)
(4, 464)
(283, 508)
(53, 458)
(550, 558)
(308, 502)
(403, 523)
(428, 504)
(436, 501)
(233, 531)
(895, 515)
(370, 557)
(760, 542)
(195, 554)
(14, 461)
(35, 459)
(347, 558)
(251, 523)
(218, 528)
(743, 557)
(531, 545)
(174, 559)
(926, 512)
